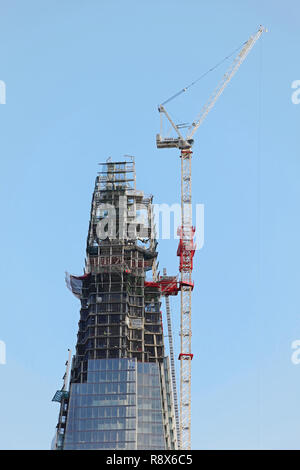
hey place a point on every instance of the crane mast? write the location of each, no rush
(186, 252)
(186, 247)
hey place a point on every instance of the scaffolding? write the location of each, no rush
(120, 315)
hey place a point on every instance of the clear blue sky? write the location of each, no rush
(83, 82)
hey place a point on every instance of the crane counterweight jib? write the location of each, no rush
(163, 143)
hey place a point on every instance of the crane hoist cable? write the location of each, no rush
(204, 74)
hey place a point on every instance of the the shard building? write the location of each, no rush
(120, 393)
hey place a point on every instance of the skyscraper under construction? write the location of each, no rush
(120, 394)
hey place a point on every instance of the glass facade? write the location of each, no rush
(119, 407)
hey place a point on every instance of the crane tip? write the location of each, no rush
(263, 29)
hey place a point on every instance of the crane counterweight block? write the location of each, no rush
(170, 142)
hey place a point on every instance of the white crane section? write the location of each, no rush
(186, 248)
(172, 361)
(226, 79)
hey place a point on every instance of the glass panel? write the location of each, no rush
(102, 412)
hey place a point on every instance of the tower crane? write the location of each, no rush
(186, 247)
